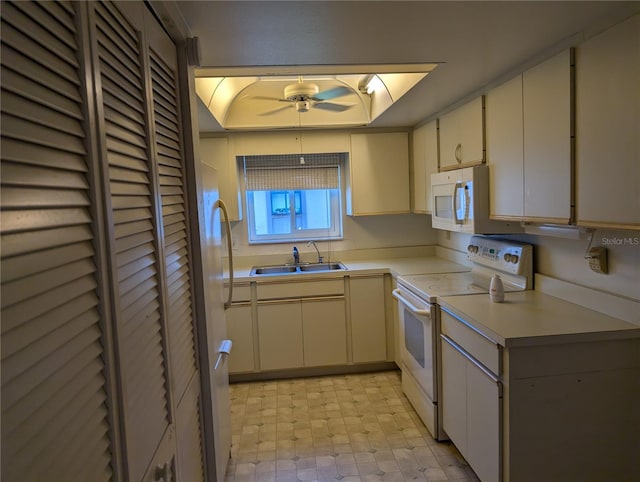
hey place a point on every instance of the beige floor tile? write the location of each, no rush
(350, 428)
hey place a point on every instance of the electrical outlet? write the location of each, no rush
(597, 258)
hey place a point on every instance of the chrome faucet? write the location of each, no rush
(296, 256)
(317, 250)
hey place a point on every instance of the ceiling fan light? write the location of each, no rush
(303, 105)
(372, 83)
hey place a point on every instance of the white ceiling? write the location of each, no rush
(477, 43)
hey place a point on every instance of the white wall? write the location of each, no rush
(365, 232)
(564, 259)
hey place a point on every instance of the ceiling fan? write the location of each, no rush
(305, 95)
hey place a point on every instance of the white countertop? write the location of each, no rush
(531, 318)
(394, 266)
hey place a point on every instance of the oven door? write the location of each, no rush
(417, 332)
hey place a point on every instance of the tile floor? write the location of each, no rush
(345, 428)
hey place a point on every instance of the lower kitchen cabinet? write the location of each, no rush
(240, 332)
(368, 318)
(472, 412)
(324, 332)
(280, 335)
(309, 323)
(530, 411)
(302, 333)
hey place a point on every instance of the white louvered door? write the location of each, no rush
(99, 369)
(171, 183)
(134, 253)
(55, 418)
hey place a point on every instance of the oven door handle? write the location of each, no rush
(396, 294)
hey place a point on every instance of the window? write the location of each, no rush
(293, 198)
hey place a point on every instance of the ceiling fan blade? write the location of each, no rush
(332, 93)
(333, 107)
(275, 111)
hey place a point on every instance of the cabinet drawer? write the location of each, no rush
(300, 289)
(241, 292)
(482, 349)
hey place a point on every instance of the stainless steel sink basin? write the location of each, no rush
(301, 268)
(273, 269)
(322, 267)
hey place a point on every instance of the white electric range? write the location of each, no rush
(419, 315)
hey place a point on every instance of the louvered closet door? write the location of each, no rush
(55, 425)
(170, 165)
(135, 244)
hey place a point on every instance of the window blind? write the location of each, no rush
(287, 172)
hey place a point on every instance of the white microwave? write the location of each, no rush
(460, 202)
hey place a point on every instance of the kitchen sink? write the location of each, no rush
(273, 269)
(322, 267)
(301, 268)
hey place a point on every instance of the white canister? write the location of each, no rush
(496, 289)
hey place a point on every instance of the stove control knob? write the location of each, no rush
(472, 249)
(514, 258)
(507, 257)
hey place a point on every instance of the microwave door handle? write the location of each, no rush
(455, 203)
(467, 205)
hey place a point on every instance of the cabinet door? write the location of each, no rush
(505, 155)
(379, 174)
(461, 134)
(324, 332)
(449, 135)
(280, 335)
(471, 411)
(454, 396)
(483, 424)
(547, 140)
(471, 122)
(217, 153)
(368, 319)
(240, 332)
(425, 163)
(607, 126)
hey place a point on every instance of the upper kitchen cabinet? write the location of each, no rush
(301, 142)
(216, 152)
(607, 127)
(425, 163)
(529, 144)
(462, 136)
(505, 155)
(378, 174)
(548, 114)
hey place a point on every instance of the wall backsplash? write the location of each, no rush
(365, 232)
(564, 258)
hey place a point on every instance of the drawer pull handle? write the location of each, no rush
(475, 362)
